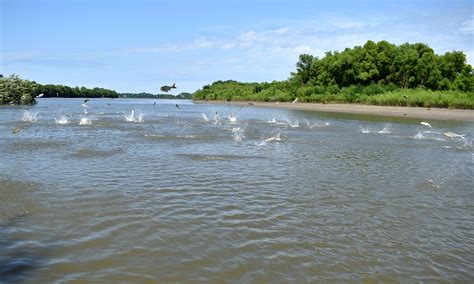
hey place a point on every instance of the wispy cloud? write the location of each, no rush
(58, 63)
(257, 51)
(467, 27)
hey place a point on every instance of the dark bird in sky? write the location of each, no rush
(166, 89)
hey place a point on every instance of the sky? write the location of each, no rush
(138, 46)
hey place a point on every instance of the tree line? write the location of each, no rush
(16, 91)
(406, 66)
(375, 73)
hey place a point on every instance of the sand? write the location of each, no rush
(408, 112)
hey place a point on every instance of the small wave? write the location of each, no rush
(186, 136)
(432, 132)
(155, 135)
(210, 157)
(421, 136)
(94, 153)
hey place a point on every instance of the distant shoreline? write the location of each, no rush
(393, 111)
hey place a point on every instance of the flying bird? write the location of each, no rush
(166, 88)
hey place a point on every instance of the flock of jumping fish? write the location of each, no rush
(32, 117)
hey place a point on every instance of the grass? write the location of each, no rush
(382, 95)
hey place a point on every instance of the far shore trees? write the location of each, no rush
(376, 73)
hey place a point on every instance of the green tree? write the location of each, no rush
(14, 90)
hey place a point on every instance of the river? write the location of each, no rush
(177, 192)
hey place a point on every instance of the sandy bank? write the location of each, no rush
(409, 112)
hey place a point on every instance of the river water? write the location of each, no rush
(198, 193)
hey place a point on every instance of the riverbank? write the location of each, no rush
(409, 112)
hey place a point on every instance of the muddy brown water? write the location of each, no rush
(223, 194)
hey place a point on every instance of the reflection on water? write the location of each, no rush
(216, 193)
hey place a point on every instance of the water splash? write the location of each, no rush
(316, 124)
(468, 143)
(238, 134)
(85, 121)
(364, 130)
(30, 116)
(62, 119)
(419, 136)
(216, 118)
(385, 130)
(132, 117)
(275, 138)
(292, 124)
(204, 117)
(232, 119)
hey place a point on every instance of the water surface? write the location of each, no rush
(219, 193)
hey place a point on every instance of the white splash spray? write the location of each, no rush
(85, 121)
(385, 130)
(61, 119)
(204, 117)
(132, 117)
(364, 130)
(238, 134)
(30, 116)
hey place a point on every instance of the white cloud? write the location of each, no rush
(468, 27)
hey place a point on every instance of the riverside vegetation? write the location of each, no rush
(17, 91)
(376, 73)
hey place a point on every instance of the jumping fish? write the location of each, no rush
(453, 135)
(426, 124)
(295, 101)
(273, 138)
(166, 89)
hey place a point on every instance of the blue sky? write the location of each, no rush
(135, 46)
